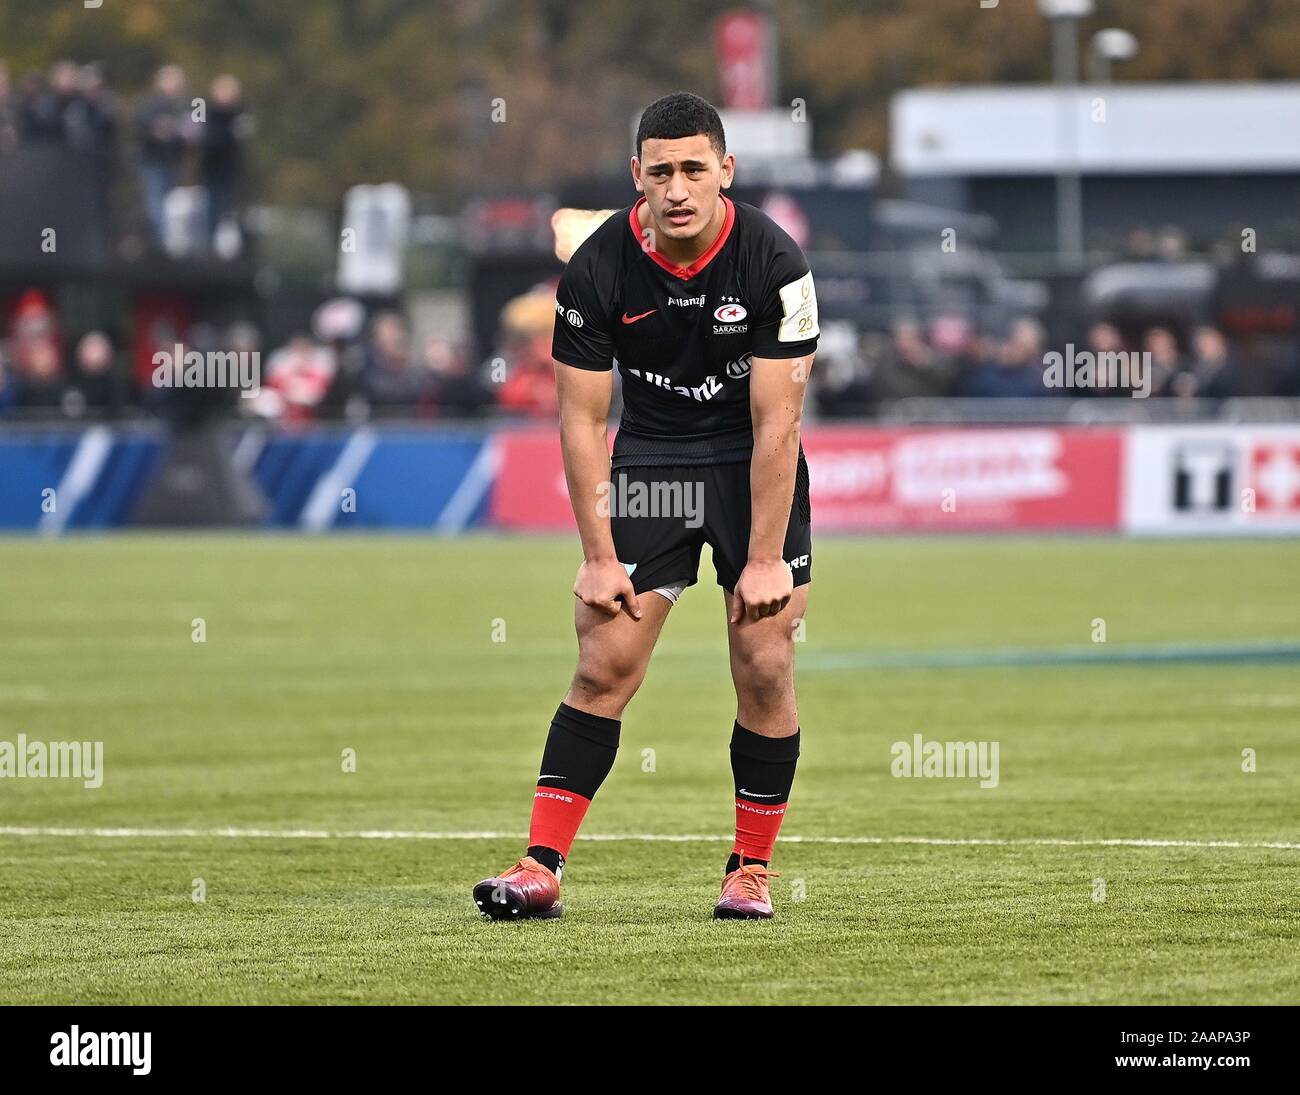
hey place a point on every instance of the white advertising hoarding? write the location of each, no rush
(1207, 480)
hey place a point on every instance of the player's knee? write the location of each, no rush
(606, 675)
(763, 673)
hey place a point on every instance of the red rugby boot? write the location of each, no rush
(526, 890)
(745, 894)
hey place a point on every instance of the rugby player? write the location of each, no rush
(710, 311)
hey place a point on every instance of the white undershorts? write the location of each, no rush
(672, 592)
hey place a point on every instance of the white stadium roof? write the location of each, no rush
(1202, 128)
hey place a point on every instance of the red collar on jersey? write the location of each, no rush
(686, 272)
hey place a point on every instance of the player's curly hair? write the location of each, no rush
(681, 114)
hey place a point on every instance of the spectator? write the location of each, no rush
(226, 127)
(38, 112)
(1211, 373)
(910, 368)
(457, 392)
(1016, 370)
(297, 377)
(1140, 244)
(161, 125)
(91, 123)
(390, 379)
(1171, 244)
(243, 338)
(338, 323)
(1165, 361)
(32, 320)
(95, 385)
(528, 322)
(1104, 342)
(67, 104)
(41, 384)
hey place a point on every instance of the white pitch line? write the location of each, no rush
(665, 838)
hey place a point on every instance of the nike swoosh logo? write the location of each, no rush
(632, 319)
(552, 777)
(752, 794)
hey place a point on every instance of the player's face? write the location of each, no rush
(681, 178)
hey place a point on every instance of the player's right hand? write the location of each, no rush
(604, 585)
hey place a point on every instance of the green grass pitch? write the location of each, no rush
(386, 646)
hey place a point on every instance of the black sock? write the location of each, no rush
(580, 751)
(733, 861)
(548, 857)
(763, 770)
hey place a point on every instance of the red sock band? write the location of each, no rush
(756, 829)
(556, 817)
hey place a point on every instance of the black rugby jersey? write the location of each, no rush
(684, 337)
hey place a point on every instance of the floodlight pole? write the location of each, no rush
(1069, 184)
(1064, 16)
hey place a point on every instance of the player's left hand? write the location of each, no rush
(764, 589)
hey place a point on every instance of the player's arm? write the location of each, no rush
(585, 397)
(582, 350)
(784, 341)
(776, 394)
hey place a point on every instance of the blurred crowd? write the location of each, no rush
(352, 365)
(348, 365)
(39, 372)
(173, 135)
(70, 105)
(357, 368)
(356, 361)
(949, 357)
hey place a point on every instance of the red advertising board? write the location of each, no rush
(530, 492)
(949, 480)
(866, 479)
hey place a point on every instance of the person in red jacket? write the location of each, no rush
(528, 323)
